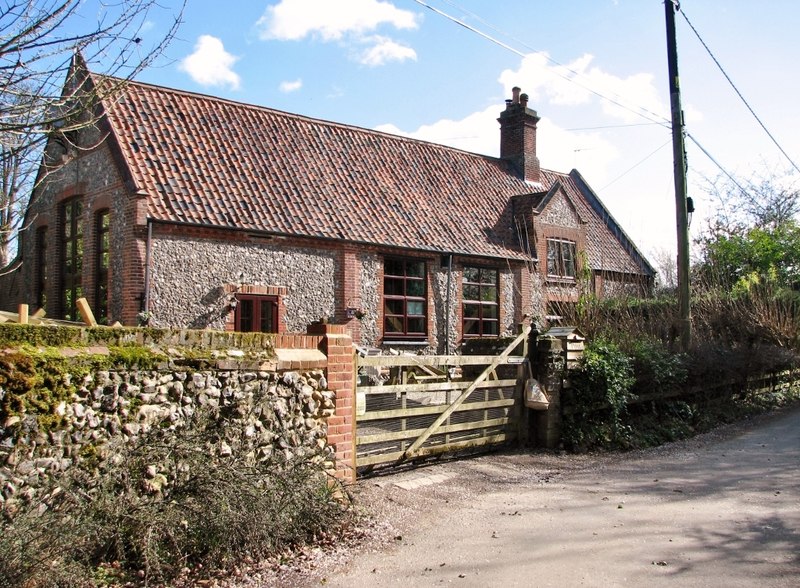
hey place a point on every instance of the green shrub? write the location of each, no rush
(657, 369)
(601, 389)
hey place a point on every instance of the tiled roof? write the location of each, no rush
(204, 160)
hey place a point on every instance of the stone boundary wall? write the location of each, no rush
(298, 401)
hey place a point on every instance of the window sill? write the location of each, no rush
(405, 342)
(561, 281)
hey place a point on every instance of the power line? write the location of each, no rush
(639, 110)
(738, 93)
(661, 120)
(613, 126)
(634, 166)
(715, 162)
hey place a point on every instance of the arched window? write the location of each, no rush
(71, 250)
(41, 267)
(102, 224)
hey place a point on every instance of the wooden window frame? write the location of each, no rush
(257, 300)
(71, 257)
(559, 265)
(396, 303)
(103, 256)
(487, 317)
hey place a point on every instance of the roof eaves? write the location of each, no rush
(549, 196)
(612, 224)
(512, 255)
(115, 146)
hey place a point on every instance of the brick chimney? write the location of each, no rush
(518, 136)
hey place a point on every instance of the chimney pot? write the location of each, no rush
(515, 94)
(523, 100)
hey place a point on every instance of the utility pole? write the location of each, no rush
(679, 160)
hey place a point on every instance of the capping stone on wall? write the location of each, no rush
(280, 403)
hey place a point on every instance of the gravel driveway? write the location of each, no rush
(722, 509)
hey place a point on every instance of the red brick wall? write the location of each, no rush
(348, 293)
(338, 346)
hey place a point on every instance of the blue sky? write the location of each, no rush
(396, 65)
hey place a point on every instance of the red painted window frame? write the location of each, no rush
(398, 298)
(257, 318)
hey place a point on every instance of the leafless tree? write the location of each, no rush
(39, 41)
(767, 199)
(666, 264)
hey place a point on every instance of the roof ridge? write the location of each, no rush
(293, 115)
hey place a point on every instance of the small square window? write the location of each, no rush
(561, 259)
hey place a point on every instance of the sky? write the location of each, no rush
(595, 72)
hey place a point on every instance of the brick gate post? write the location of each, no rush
(337, 345)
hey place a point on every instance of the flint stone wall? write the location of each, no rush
(275, 411)
(188, 275)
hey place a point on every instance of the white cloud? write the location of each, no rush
(336, 92)
(562, 150)
(478, 132)
(331, 20)
(287, 87)
(385, 50)
(210, 64)
(558, 149)
(579, 83)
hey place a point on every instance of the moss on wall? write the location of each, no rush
(188, 342)
(42, 367)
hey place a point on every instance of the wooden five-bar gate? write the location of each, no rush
(413, 406)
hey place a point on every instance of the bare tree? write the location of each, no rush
(666, 265)
(766, 200)
(39, 41)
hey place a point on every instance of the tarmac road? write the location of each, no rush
(720, 510)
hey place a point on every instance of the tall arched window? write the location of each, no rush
(102, 224)
(71, 257)
(41, 267)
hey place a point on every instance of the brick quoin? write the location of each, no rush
(337, 344)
